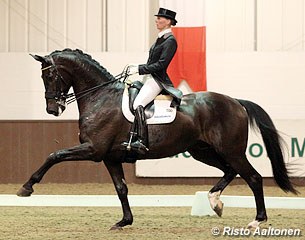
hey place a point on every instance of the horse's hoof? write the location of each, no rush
(255, 224)
(23, 192)
(215, 202)
(219, 208)
(115, 227)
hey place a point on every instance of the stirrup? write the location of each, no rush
(128, 144)
(139, 147)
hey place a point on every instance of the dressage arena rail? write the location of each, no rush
(199, 202)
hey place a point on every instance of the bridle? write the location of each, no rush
(61, 97)
(58, 95)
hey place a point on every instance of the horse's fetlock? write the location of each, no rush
(28, 186)
(127, 220)
(122, 192)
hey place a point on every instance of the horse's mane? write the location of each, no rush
(87, 57)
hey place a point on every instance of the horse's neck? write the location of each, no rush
(106, 96)
(84, 82)
(85, 78)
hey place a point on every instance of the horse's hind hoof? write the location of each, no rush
(23, 192)
(215, 203)
(218, 209)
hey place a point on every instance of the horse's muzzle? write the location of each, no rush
(55, 108)
(53, 112)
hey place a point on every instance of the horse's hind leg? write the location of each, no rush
(215, 192)
(255, 181)
(206, 154)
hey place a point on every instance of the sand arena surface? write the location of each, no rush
(149, 223)
(136, 189)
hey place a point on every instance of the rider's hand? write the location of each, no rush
(133, 69)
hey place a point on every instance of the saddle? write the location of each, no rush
(158, 111)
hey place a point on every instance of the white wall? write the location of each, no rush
(273, 75)
(91, 25)
(235, 29)
(128, 25)
(22, 90)
(250, 25)
(273, 80)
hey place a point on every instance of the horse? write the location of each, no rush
(212, 127)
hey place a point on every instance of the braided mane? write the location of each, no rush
(89, 59)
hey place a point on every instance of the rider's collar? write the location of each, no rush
(163, 32)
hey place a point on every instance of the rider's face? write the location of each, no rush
(162, 23)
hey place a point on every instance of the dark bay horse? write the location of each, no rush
(212, 127)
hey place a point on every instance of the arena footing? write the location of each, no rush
(201, 205)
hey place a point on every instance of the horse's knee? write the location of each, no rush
(54, 158)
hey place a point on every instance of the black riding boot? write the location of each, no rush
(140, 145)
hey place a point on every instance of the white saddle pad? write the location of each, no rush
(163, 113)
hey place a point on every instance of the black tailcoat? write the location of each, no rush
(160, 55)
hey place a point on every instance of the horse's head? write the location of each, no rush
(57, 83)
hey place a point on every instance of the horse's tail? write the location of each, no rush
(272, 141)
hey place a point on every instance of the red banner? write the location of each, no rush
(189, 63)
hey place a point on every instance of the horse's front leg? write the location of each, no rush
(77, 153)
(117, 174)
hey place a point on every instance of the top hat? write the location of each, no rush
(167, 14)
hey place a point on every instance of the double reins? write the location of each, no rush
(72, 97)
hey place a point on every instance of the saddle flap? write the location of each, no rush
(157, 112)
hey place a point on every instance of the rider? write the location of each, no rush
(155, 77)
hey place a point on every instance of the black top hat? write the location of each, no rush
(167, 14)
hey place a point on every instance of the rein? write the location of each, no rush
(72, 97)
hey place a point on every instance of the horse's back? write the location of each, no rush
(212, 103)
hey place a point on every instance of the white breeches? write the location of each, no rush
(148, 92)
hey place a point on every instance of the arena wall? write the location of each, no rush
(255, 51)
(29, 134)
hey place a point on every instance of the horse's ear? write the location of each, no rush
(38, 58)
